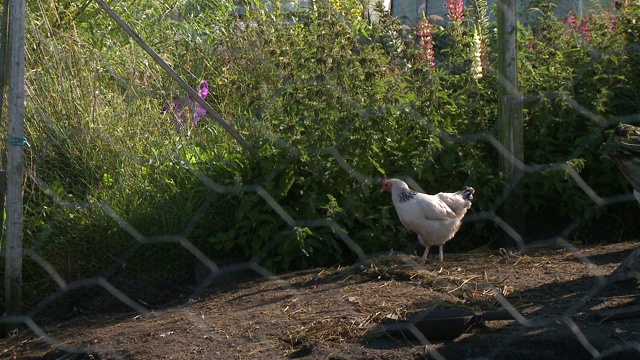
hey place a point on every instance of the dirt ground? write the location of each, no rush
(335, 313)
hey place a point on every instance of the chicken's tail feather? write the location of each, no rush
(466, 193)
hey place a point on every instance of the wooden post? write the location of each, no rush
(15, 142)
(510, 129)
(3, 81)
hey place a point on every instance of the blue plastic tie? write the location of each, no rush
(18, 141)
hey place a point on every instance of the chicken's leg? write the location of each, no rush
(426, 253)
(441, 252)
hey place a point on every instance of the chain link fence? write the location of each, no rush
(179, 237)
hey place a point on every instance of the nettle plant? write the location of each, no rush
(313, 88)
(332, 102)
(313, 91)
(573, 58)
(318, 92)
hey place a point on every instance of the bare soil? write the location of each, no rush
(333, 313)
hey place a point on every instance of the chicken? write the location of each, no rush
(435, 218)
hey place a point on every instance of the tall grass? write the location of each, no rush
(99, 141)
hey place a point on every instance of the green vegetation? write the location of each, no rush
(329, 100)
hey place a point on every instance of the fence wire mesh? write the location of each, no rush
(151, 232)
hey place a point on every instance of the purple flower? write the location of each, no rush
(177, 106)
(199, 111)
(204, 89)
(193, 106)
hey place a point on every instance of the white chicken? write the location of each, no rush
(435, 218)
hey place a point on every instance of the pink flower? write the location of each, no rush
(456, 10)
(612, 18)
(425, 42)
(580, 25)
(530, 46)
